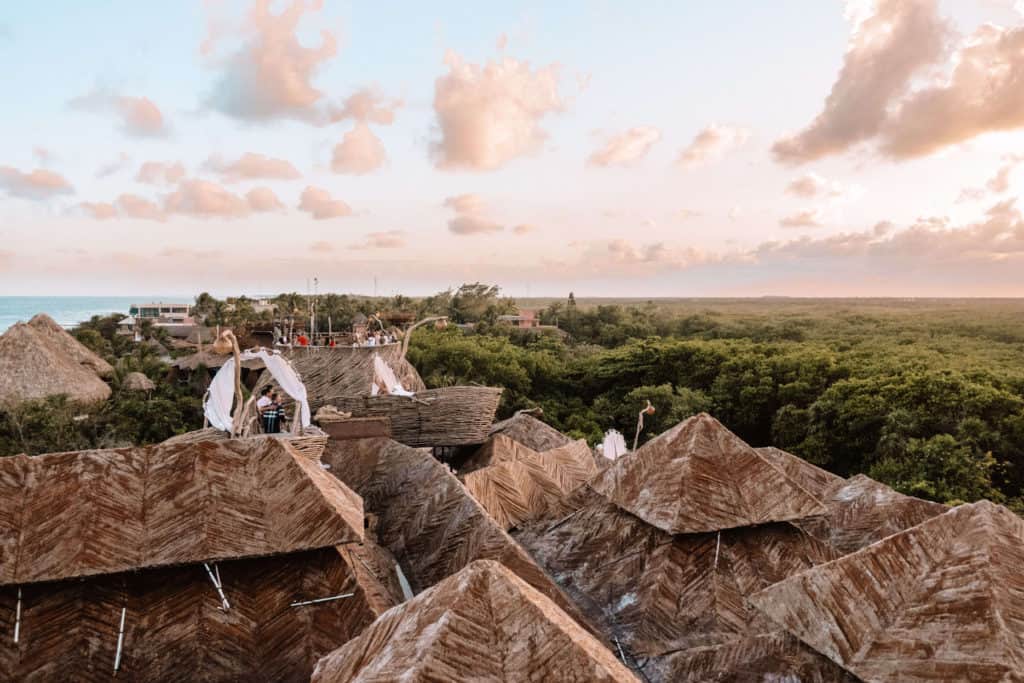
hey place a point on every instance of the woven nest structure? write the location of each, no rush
(61, 340)
(35, 365)
(137, 381)
(180, 563)
(419, 511)
(516, 484)
(482, 624)
(942, 601)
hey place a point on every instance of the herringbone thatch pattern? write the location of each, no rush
(483, 624)
(425, 516)
(519, 484)
(451, 416)
(61, 340)
(310, 443)
(862, 511)
(98, 512)
(679, 602)
(531, 432)
(812, 478)
(942, 601)
(175, 629)
(33, 367)
(699, 477)
(212, 361)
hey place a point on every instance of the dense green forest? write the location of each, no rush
(925, 395)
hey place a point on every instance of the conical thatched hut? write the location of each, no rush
(34, 366)
(941, 601)
(215, 561)
(137, 381)
(531, 432)
(62, 340)
(482, 624)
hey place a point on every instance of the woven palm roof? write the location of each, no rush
(519, 484)
(84, 513)
(62, 340)
(531, 432)
(212, 361)
(862, 511)
(942, 601)
(137, 381)
(483, 624)
(33, 366)
(699, 477)
(813, 478)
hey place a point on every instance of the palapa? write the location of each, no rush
(699, 477)
(482, 624)
(62, 340)
(212, 361)
(310, 443)
(519, 484)
(33, 367)
(137, 381)
(811, 477)
(529, 431)
(941, 601)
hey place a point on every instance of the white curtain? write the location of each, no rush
(383, 372)
(614, 445)
(222, 389)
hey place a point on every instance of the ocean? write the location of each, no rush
(69, 310)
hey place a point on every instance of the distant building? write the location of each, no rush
(525, 319)
(176, 318)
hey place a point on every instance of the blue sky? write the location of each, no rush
(741, 76)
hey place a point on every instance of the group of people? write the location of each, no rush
(377, 339)
(271, 411)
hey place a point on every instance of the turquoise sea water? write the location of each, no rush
(69, 310)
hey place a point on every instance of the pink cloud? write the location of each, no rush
(160, 173)
(807, 218)
(204, 199)
(140, 117)
(359, 152)
(319, 203)
(391, 239)
(711, 144)
(489, 115)
(251, 166)
(263, 199)
(466, 203)
(524, 229)
(888, 48)
(271, 75)
(133, 206)
(99, 210)
(472, 225)
(626, 148)
(37, 184)
(367, 105)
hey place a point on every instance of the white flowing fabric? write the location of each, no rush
(383, 371)
(614, 445)
(222, 389)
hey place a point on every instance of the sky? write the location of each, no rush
(659, 149)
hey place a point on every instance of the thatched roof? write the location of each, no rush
(84, 513)
(212, 361)
(483, 624)
(519, 484)
(531, 432)
(811, 477)
(32, 367)
(942, 601)
(137, 381)
(425, 516)
(62, 340)
(862, 511)
(175, 628)
(678, 602)
(698, 477)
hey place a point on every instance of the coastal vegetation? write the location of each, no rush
(924, 395)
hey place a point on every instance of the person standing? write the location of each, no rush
(265, 408)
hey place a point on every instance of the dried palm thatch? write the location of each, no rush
(212, 361)
(699, 477)
(310, 443)
(531, 432)
(136, 381)
(61, 340)
(450, 416)
(677, 604)
(427, 519)
(32, 367)
(811, 477)
(862, 511)
(175, 628)
(133, 508)
(483, 624)
(345, 372)
(520, 484)
(942, 601)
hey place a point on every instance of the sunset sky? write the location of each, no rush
(728, 148)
